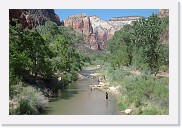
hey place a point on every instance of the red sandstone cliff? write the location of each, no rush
(33, 17)
(81, 23)
(96, 30)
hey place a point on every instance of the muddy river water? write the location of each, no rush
(79, 99)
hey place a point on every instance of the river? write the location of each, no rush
(79, 99)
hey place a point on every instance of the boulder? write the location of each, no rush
(128, 111)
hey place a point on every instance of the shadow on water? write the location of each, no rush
(67, 93)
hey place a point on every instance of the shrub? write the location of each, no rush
(164, 68)
(30, 101)
(139, 90)
(26, 107)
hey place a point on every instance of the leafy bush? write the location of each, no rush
(139, 91)
(26, 108)
(142, 89)
(30, 101)
(164, 68)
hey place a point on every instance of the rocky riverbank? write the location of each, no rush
(104, 86)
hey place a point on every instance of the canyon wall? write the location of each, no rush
(96, 30)
(33, 17)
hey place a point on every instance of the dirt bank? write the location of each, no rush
(103, 84)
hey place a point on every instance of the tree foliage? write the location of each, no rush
(45, 52)
(139, 45)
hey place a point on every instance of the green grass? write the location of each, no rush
(146, 94)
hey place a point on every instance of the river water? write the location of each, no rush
(79, 99)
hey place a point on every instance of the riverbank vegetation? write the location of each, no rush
(47, 58)
(133, 62)
(42, 60)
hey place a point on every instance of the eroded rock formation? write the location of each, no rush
(165, 35)
(33, 17)
(96, 30)
(163, 12)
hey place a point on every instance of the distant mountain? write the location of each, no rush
(96, 30)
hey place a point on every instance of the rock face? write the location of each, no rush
(163, 13)
(103, 31)
(81, 23)
(33, 17)
(119, 22)
(165, 35)
(96, 30)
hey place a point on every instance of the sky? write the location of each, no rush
(106, 14)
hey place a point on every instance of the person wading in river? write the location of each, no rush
(98, 81)
(106, 95)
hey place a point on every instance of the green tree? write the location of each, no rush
(139, 44)
(122, 49)
(148, 32)
(63, 41)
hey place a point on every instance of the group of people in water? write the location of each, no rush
(99, 80)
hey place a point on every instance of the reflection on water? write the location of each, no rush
(79, 99)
